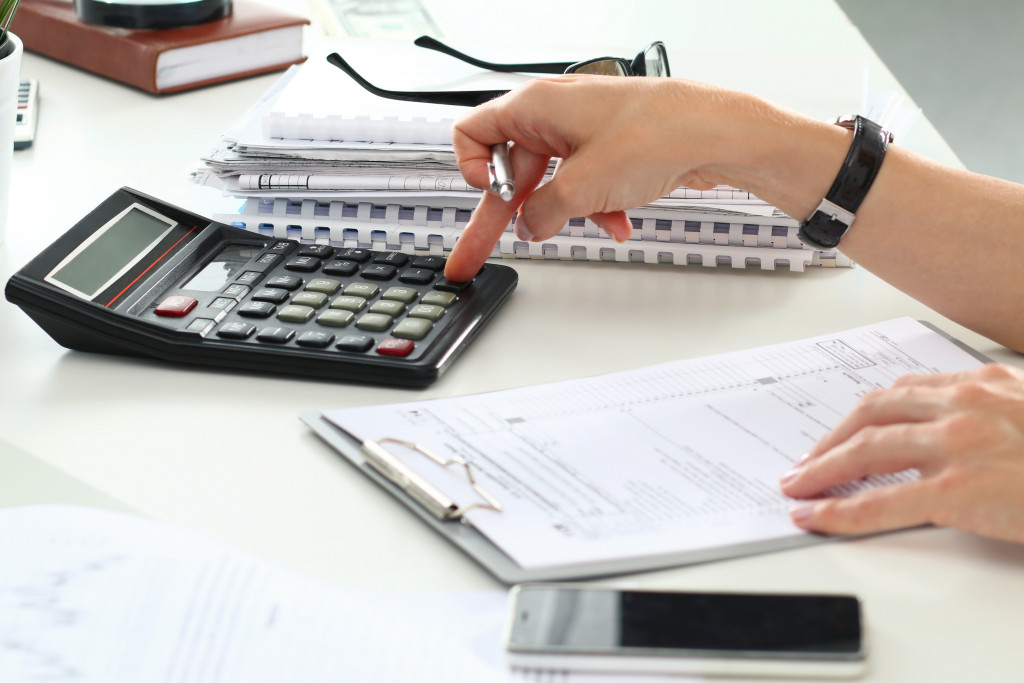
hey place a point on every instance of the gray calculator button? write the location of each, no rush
(375, 322)
(427, 311)
(336, 318)
(311, 299)
(404, 294)
(436, 298)
(296, 314)
(349, 303)
(392, 308)
(323, 284)
(413, 328)
(363, 289)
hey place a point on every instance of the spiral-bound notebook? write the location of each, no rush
(689, 239)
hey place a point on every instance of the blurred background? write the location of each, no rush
(963, 64)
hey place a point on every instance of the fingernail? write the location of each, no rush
(522, 232)
(803, 458)
(801, 511)
(789, 476)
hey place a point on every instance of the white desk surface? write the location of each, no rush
(226, 454)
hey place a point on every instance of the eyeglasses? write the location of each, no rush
(651, 61)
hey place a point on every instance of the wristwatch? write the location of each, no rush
(834, 216)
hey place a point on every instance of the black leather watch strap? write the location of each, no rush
(834, 216)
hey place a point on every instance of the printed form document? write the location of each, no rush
(672, 458)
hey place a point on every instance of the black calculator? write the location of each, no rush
(140, 277)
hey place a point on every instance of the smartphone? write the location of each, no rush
(587, 628)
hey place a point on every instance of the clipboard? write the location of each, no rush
(478, 547)
(444, 515)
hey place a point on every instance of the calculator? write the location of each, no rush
(141, 277)
(28, 113)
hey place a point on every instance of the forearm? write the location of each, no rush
(953, 240)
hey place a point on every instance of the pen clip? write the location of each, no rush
(499, 172)
(429, 496)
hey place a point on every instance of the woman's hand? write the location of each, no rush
(964, 432)
(621, 143)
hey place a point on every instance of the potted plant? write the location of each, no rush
(10, 75)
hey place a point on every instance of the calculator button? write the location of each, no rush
(435, 298)
(413, 328)
(341, 268)
(334, 318)
(349, 303)
(318, 250)
(236, 330)
(312, 299)
(325, 285)
(176, 306)
(427, 312)
(201, 326)
(363, 289)
(357, 255)
(446, 285)
(236, 291)
(417, 276)
(392, 308)
(429, 262)
(268, 259)
(355, 342)
(394, 258)
(289, 282)
(275, 335)
(281, 246)
(249, 277)
(223, 303)
(315, 339)
(304, 264)
(404, 294)
(379, 271)
(257, 309)
(396, 347)
(375, 322)
(276, 296)
(296, 314)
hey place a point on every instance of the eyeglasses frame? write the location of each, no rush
(472, 98)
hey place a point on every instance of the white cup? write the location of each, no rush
(10, 78)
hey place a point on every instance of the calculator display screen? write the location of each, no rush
(223, 267)
(110, 251)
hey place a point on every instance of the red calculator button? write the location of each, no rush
(396, 347)
(176, 306)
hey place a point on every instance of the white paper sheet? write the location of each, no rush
(92, 596)
(677, 457)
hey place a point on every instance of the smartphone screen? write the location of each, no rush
(603, 621)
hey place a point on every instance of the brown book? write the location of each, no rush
(254, 39)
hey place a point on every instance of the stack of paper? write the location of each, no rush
(319, 158)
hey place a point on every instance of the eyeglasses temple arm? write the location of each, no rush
(461, 98)
(535, 67)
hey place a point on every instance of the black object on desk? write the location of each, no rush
(140, 277)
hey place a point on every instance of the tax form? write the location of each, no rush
(677, 458)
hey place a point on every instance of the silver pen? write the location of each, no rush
(500, 172)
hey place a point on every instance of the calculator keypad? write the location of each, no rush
(339, 300)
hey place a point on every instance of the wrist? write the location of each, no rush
(784, 158)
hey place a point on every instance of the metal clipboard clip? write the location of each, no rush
(418, 488)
